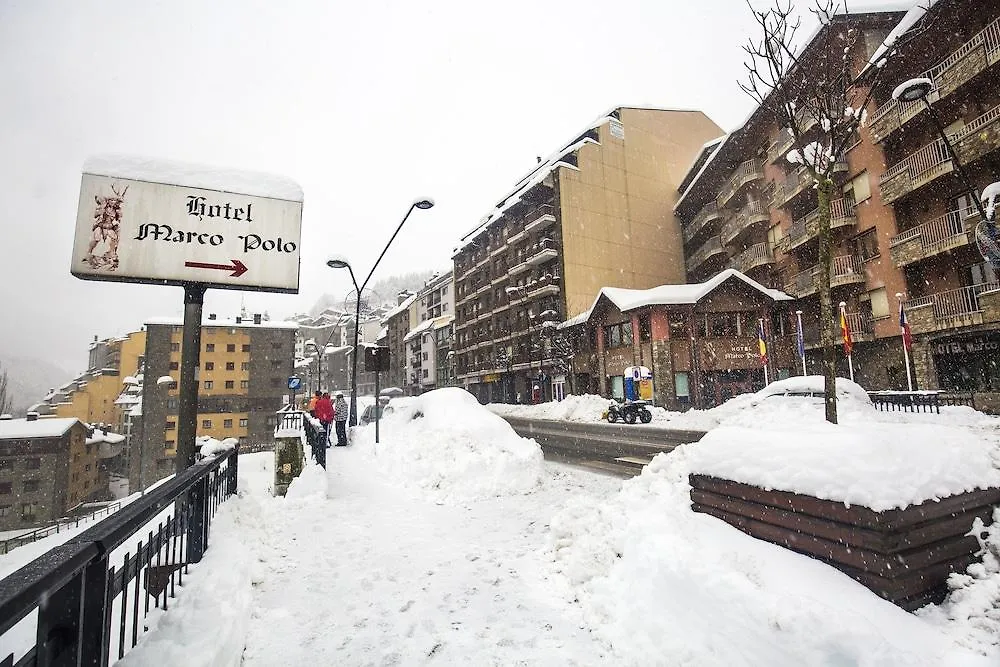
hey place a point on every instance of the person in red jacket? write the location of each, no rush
(324, 413)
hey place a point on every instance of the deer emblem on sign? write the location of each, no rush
(102, 252)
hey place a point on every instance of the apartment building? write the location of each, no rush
(597, 213)
(435, 305)
(398, 323)
(949, 290)
(745, 206)
(242, 381)
(46, 469)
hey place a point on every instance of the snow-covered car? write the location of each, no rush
(385, 407)
(811, 389)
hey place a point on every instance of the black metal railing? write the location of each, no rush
(907, 401)
(88, 592)
(62, 524)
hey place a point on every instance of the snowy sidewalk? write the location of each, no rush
(377, 574)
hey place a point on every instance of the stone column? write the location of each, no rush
(602, 374)
(925, 371)
(663, 375)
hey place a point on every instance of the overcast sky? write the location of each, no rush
(366, 104)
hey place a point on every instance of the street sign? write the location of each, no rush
(152, 222)
(294, 383)
(376, 358)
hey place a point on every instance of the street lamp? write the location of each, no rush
(919, 89)
(342, 263)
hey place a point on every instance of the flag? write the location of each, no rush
(845, 333)
(761, 342)
(904, 328)
(801, 341)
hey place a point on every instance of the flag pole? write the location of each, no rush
(802, 347)
(906, 353)
(763, 349)
(843, 318)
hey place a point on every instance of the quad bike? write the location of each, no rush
(628, 412)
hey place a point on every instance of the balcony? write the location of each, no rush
(952, 230)
(753, 213)
(708, 213)
(542, 252)
(801, 284)
(843, 213)
(746, 173)
(544, 286)
(499, 279)
(759, 254)
(962, 307)
(414, 362)
(845, 270)
(711, 248)
(520, 267)
(540, 218)
(518, 236)
(862, 326)
(966, 62)
(783, 143)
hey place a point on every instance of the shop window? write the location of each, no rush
(678, 323)
(866, 245)
(617, 383)
(682, 389)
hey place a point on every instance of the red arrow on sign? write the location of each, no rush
(237, 267)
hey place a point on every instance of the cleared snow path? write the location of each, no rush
(377, 574)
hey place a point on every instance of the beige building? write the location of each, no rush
(598, 213)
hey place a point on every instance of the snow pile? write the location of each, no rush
(445, 442)
(970, 613)
(209, 446)
(582, 408)
(656, 579)
(880, 466)
(312, 481)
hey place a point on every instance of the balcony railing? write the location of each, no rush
(947, 232)
(843, 213)
(756, 255)
(540, 218)
(956, 307)
(802, 283)
(707, 214)
(753, 212)
(542, 251)
(746, 173)
(711, 247)
(915, 171)
(974, 56)
(862, 325)
(844, 270)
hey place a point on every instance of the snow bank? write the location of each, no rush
(445, 442)
(209, 446)
(582, 408)
(312, 481)
(217, 595)
(656, 579)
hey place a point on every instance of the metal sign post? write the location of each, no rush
(376, 360)
(294, 383)
(187, 404)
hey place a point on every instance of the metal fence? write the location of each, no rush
(62, 524)
(92, 592)
(911, 401)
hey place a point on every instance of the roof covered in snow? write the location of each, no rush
(666, 295)
(915, 11)
(38, 428)
(154, 170)
(225, 322)
(400, 308)
(419, 329)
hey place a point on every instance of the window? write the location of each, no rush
(977, 274)
(425, 356)
(444, 307)
(6, 464)
(244, 384)
(645, 329)
(227, 423)
(175, 347)
(206, 423)
(32, 485)
(209, 366)
(245, 366)
(174, 365)
(880, 302)
(774, 235)
(275, 363)
(275, 345)
(681, 387)
(86, 468)
(244, 422)
(208, 384)
(678, 324)
(860, 187)
(169, 444)
(618, 335)
(6, 488)
(230, 384)
(33, 464)
(425, 372)
(866, 245)
(231, 347)
(5, 510)
(210, 347)
(246, 347)
(170, 425)
(230, 365)
(172, 403)
(27, 511)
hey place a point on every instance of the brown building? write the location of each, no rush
(743, 205)
(700, 341)
(46, 469)
(242, 381)
(398, 323)
(596, 213)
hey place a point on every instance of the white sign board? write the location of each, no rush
(140, 230)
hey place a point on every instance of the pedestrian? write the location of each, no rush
(324, 413)
(340, 414)
(311, 405)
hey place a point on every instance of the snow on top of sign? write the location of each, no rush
(155, 170)
(221, 322)
(630, 299)
(39, 428)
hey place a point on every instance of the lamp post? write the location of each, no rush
(918, 89)
(341, 263)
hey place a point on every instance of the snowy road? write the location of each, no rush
(375, 574)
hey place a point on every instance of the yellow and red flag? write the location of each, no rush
(845, 332)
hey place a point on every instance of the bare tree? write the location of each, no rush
(6, 396)
(819, 96)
